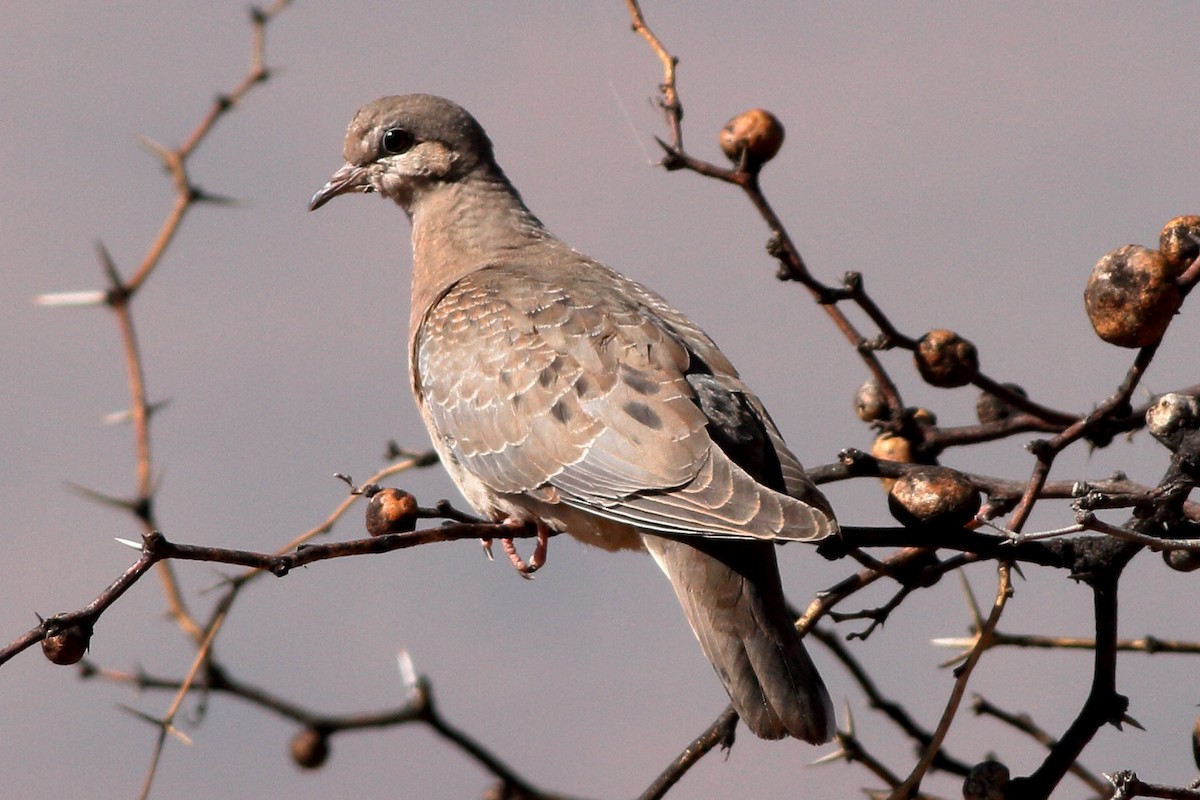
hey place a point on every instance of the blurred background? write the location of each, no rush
(972, 160)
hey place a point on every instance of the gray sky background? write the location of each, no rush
(972, 160)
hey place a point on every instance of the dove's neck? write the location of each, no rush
(461, 227)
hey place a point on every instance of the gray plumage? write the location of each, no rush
(556, 389)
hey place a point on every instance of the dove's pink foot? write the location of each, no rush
(539, 551)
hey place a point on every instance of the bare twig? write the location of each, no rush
(1025, 724)
(1128, 785)
(909, 788)
(719, 733)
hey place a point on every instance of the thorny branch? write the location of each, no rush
(317, 728)
(908, 789)
(1025, 724)
(1163, 518)
(121, 292)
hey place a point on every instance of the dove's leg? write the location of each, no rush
(525, 569)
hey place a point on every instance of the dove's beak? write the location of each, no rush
(350, 178)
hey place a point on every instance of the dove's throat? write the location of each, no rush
(464, 226)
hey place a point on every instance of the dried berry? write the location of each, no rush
(870, 403)
(933, 495)
(923, 417)
(990, 408)
(1132, 295)
(986, 781)
(67, 646)
(1181, 560)
(1177, 242)
(391, 511)
(1170, 415)
(755, 135)
(310, 748)
(890, 447)
(921, 567)
(946, 359)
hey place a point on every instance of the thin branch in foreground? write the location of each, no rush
(419, 708)
(720, 733)
(1146, 644)
(891, 709)
(120, 293)
(908, 789)
(669, 100)
(157, 548)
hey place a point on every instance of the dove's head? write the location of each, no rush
(399, 146)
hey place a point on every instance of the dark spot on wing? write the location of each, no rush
(638, 381)
(560, 411)
(550, 373)
(643, 414)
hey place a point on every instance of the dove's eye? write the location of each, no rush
(397, 141)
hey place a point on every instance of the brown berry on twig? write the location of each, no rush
(923, 417)
(933, 495)
(310, 748)
(1132, 295)
(754, 135)
(1181, 560)
(870, 403)
(1177, 242)
(391, 511)
(891, 447)
(67, 646)
(946, 359)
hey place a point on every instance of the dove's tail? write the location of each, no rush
(733, 598)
